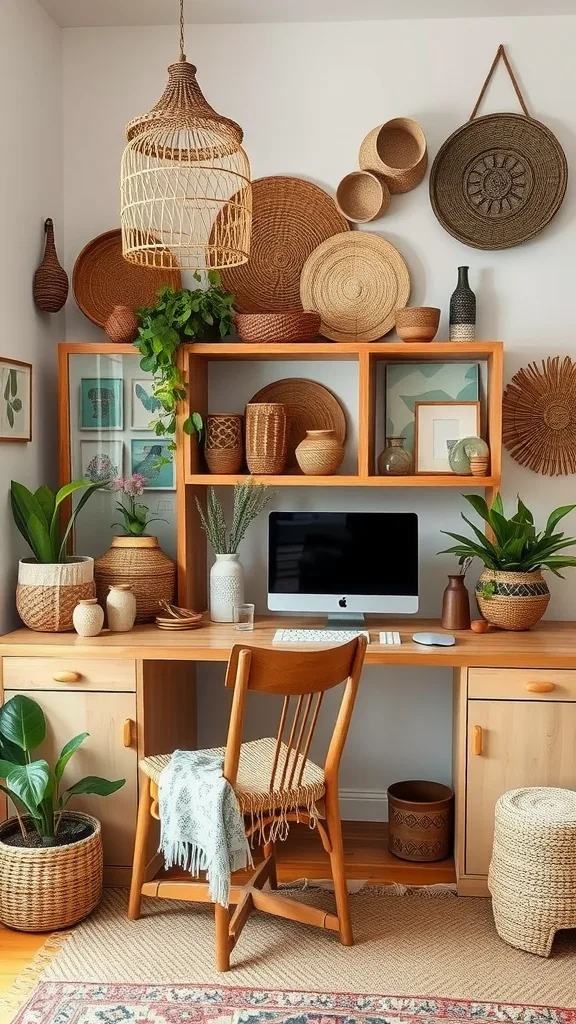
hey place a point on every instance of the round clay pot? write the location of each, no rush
(320, 453)
(518, 600)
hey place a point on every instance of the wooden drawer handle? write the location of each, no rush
(128, 732)
(477, 740)
(66, 677)
(539, 687)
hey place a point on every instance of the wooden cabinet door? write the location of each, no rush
(522, 743)
(103, 715)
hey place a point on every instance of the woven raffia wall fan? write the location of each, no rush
(185, 182)
(539, 417)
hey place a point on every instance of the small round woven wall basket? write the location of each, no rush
(398, 152)
(362, 196)
(44, 888)
(265, 328)
(421, 818)
(539, 417)
(512, 600)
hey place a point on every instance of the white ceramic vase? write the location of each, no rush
(226, 587)
(88, 617)
(121, 608)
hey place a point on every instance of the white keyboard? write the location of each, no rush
(318, 636)
(389, 638)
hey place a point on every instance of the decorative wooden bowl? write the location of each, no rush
(417, 323)
(362, 196)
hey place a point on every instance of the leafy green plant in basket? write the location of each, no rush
(34, 786)
(38, 517)
(180, 316)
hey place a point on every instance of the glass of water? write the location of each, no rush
(244, 616)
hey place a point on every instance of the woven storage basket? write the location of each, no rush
(362, 196)
(140, 563)
(47, 595)
(47, 888)
(519, 599)
(417, 323)
(224, 449)
(421, 820)
(397, 150)
(294, 325)
(532, 874)
(266, 437)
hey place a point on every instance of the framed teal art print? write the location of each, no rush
(153, 459)
(408, 383)
(101, 403)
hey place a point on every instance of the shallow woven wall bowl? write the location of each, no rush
(417, 323)
(518, 600)
(263, 328)
(362, 196)
(397, 150)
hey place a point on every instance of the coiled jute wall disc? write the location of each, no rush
(290, 217)
(498, 180)
(356, 282)
(539, 417)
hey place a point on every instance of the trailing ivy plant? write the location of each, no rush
(180, 316)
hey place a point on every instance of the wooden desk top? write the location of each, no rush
(548, 645)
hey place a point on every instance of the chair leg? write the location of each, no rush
(140, 844)
(270, 851)
(334, 826)
(222, 923)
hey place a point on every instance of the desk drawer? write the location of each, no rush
(70, 673)
(521, 684)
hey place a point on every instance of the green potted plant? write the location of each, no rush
(511, 591)
(50, 857)
(50, 583)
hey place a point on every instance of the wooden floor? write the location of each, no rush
(367, 858)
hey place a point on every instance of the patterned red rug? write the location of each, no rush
(71, 1003)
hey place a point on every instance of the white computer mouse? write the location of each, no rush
(434, 639)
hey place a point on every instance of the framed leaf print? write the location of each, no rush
(15, 400)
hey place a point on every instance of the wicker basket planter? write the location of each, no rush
(264, 328)
(50, 887)
(140, 563)
(224, 448)
(396, 150)
(47, 595)
(266, 437)
(518, 601)
(421, 816)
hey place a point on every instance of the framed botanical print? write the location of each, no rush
(143, 404)
(153, 459)
(101, 460)
(436, 425)
(101, 403)
(15, 400)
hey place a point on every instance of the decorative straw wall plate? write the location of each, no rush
(103, 279)
(539, 417)
(310, 406)
(356, 282)
(290, 218)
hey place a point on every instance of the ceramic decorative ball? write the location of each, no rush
(461, 452)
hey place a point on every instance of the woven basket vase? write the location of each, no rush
(519, 599)
(396, 150)
(266, 437)
(47, 888)
(47, 595)
(320, 453)
(421, 820)
(140, 563)
(224, 449)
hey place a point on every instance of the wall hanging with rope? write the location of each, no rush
(185, 181)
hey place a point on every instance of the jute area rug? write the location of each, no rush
(439, 947)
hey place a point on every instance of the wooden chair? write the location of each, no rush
(275, 783)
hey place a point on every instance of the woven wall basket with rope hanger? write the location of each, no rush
(499, 179)
(186, 195)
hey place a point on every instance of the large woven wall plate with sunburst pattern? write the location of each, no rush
(539, 417)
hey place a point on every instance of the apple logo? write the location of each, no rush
(342, 602)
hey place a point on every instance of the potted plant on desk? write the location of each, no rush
(511, 591)
(50, 857)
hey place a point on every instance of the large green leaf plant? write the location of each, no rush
(35, 787)
(38, 517)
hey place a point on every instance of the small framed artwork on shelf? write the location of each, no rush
(436, 425)
(143, 405)
(154, 460)
(410, 382)
(15, 400)
(101, 403)
(101, 461)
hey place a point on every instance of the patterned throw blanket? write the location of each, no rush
(202, 828)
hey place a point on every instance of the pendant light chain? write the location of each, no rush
(182, 54)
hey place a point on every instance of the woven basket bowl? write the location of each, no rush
(396, 150)
(417, 323)
(224, 448)
(266, 437)
(47, 595)
(47, 888)
(519, 601)
(140, 563)
(294, 325)
(362, 196)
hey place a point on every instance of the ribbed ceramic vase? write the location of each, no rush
(462, 309)
(140, 563)
(226, 587)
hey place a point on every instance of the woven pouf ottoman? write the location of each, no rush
(532, 875)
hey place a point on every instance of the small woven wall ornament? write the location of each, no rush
(50, 280)
(185, 180)
(539, 417)
(499, 179)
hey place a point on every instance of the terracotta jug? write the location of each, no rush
(456, 604)
(50, 280)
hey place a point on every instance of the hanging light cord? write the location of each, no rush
(182, 54)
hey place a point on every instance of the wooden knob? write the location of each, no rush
(128, 732)
(539, 687)
(66, 677)
(477, 740)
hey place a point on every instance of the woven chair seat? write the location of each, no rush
(303, 784)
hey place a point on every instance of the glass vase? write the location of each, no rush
(394, 460)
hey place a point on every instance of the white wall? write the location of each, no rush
(30, 191)
(306, 95)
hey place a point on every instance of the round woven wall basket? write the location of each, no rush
(140, 563)
(264, 328)
(518, 599)
(50, 887)
(398, 152)
(362, 196)
(539, 417)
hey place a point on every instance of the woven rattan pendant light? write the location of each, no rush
(185, 181)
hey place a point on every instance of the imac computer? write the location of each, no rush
(346, 564)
